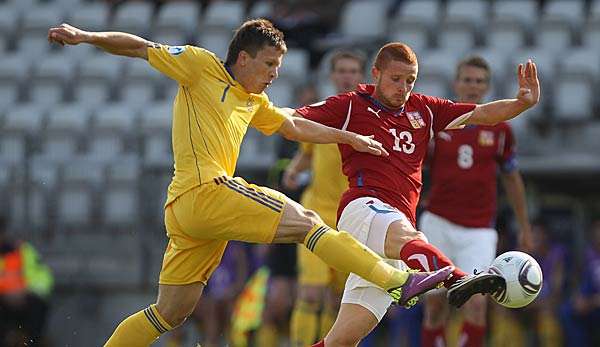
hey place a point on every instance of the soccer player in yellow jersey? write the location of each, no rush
(206, 206)
(320, 286)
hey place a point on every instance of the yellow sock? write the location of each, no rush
(267, 336)
(139, 329)
(327, 320)
(304, 324)
(343, 252)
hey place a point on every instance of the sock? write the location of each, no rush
(139, 329)
(267, 336)
(418, 254)
(319, 344)
(304, 324)
(327, 319)
(471, 335)
(433, 337)
(344, 253)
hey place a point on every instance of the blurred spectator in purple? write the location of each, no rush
(581, 315)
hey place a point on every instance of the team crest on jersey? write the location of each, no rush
(415, 119)
(176, 50)
(486, 138)
(250, 104)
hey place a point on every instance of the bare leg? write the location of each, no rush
(353, 323)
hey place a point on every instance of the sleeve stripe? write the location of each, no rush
(345, 126)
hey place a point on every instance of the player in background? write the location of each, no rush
(379, 208)
(320, 286)
(461, 210)
(206, 206)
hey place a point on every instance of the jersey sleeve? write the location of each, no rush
(268, 118)
(181, 63)
(507, 157)
(446, 113)
(332, 112)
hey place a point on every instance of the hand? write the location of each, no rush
(367, 144)
(290, 179)
(529, 85)
(67, 34)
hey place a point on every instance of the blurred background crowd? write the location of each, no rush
(85, 159)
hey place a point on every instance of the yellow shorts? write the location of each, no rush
(201, 221)
(312, 271)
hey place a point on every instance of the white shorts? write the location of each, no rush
(368, 219)
(469, 248)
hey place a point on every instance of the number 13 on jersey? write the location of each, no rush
(407, 146)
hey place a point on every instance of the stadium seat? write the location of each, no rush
(9, 94)
(581, 61)
(433, 84)
(224, 15)
(112, 132)
(9, 19)
(120, 198)
(133, 17)
(573, 97)
(216, 40)
(295, 64)
(414, 34)
(96, 78)
(506, 34)
(440, 61)
(571, 11)
(82, 170)
(591, 34)
(257, 151)
(553, 35)
(281, 92)
(524, 11)
(473, 11)
(115, 117)
(13, 147)
(90, 16)
(363, 20)
(59, 146)
(177, 18)
(427, 12)
(457, 36)
(171, 39)
(261, 9)
(33, 45)
(24, 118)
(545, 62)
(37, 19)
(44, 171)
(137, 91)
(74, 207)
(155, 129)
(595, 10)
(49, 79)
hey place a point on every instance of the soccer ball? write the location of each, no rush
(523, 277)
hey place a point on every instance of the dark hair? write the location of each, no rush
(395, 51)
(475, 61)
(252, 36)
(356, 56)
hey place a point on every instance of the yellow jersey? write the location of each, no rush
(211, 114)
(328, 182)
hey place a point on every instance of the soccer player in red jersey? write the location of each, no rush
(380, 205)
(461, 209)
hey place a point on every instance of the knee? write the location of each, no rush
(339, 340)
(174, 315)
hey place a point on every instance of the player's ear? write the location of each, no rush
(375, 72)
(243, 58)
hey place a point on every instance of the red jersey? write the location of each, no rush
(405, 134)
(463, 173)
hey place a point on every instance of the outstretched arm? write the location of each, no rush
(113, 42)
(498, 111)
(296, 128)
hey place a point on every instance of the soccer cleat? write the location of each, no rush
(418, 283)
(479, 283)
